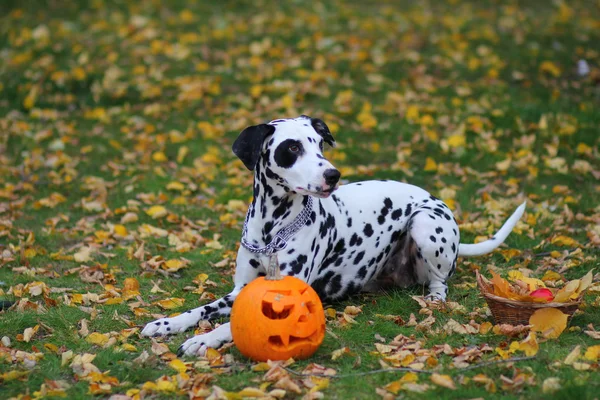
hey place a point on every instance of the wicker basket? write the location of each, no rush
(506, 311)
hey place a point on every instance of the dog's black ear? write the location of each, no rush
(322, 129)
(249, 144)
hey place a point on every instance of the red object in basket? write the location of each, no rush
(543, 293)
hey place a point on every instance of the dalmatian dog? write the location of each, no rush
(340, 240)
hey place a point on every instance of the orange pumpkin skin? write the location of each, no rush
(277, 319)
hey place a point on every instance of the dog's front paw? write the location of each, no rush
(166, 326)
(198, 345)
(434, 300)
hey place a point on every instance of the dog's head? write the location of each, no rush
(290, 152)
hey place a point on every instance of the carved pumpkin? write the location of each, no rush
(275, 319)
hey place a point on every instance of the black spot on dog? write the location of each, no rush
(340, 247)
(408, 210)
(355, 240)
(335, 285)
(368, 230)
(362, 272)
(439, 230)
(298, 264)
(284, 156)
(359, 257)
(453, 248)
(396, 214)
(320, 284)
(396, 235)
(254, 263)
(432, 238)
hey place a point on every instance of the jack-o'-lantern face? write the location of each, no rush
(277, 320)
(286, 308)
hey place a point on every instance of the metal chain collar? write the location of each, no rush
(280, 239)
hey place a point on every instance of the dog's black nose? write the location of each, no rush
(332, 176)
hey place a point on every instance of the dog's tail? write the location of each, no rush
(479, 249)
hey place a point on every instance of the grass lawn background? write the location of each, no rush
(116, 122)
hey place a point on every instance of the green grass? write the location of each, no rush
(110, 80)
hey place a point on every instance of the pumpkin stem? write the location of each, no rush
(273, 272)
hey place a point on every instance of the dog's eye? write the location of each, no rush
(294, 148)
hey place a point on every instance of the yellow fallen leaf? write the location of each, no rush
(97, 338)
(261, 367)
(532, 283)
(131, 288)
(443, 380)
(170, 303)
(586, 282)
(339, 352)
(430, 164)
(529, 345)
(550, 322)
(83, 255)
(178, 365)
(504, 165)
(393, 387)
(567, 241)
(592, 353)
(319, 383)
(174, 265)
(159, 156)
(177, 186)
(129, 347)
(579, 366)
(551, 276)
(251, 392)
(212, 354)
(51, 347)
(181, 153)
(28, 333)
(99, 388)
(573, 355)
(567, 292)
(550, 68)
(457, 140)
(157, 212)
(12, 375)
(120, 230)
(129, 217)
(65, 357)
(485, 327)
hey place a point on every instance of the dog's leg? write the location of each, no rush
(435, 234)
(189, 319)
(198, 345)
(247, 270)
